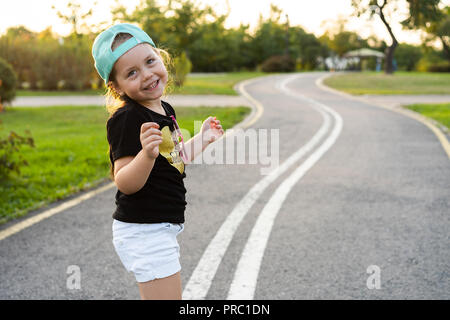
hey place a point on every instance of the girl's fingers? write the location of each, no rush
(151, 132)
(152, 138)
(153, 144)
(146, 125)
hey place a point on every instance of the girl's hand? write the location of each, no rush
(211, 130)
(151, 138)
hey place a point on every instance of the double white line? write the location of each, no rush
(245, 278)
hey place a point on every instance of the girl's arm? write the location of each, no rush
(210, 131)
(132, 172)
(195, 146)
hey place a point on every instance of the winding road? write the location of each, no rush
(357, 208)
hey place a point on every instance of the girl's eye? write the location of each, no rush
(149, 61)
(131, 73)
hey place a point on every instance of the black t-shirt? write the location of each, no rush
(162, 198)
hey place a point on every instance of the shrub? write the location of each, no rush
(182, 67)
(443, 66)
(433, 62)
(8, 81)
(9, 147)
(42, 60)
(407, 56)
(278, 64)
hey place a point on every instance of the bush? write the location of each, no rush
(9, 147)
(278, 64)
(433, 62)
(43, 60)
(443, 66)
(8, 83)
(407, 57)
(182, 67)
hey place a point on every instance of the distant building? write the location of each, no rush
(352, 60)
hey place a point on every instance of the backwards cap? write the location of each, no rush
(104, 57)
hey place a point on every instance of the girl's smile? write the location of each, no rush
(152, 86)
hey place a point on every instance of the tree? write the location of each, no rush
(343, 41)
(407, 56)
(173, 26)
(340, 40)
(269, 37)
(184, 26)
(75, 17)
(8, 81)
(435, 22)
(306, 48)
(374, 7)
(419, 11)
(442, 30)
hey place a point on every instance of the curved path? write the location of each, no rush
(358, 188)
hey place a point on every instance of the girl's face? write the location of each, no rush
(141, 75)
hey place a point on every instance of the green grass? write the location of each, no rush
(228, 116)
(399, 83)
(195, 84)
(215, 84)
(71, 151)
(438, 112)
(46, 93)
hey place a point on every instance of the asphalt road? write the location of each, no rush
(366, 189)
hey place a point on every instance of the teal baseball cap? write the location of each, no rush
(104, 57)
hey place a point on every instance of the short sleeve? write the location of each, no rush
(123, 133)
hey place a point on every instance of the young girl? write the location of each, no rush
(147, 158)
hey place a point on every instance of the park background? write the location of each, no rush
(44, 163)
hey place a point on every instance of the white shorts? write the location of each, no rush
(149, 250)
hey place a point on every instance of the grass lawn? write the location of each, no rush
(438, 112)
(71, 151)
(215, 84)
(399, 83)
(221, 83)
(45, 93)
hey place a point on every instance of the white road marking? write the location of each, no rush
(246, 275)
(202, 276)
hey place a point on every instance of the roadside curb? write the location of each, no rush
(431, 124)
(257, 108)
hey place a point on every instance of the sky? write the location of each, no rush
(315, 16)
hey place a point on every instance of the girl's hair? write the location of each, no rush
(113, 100)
